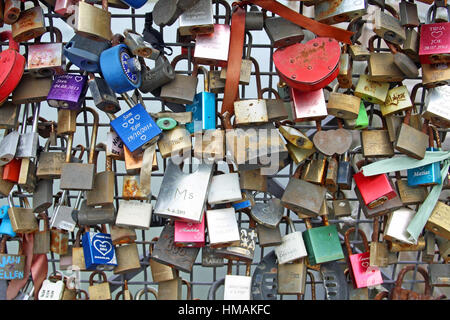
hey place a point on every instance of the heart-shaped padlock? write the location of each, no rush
(330, 142)
(308, 66)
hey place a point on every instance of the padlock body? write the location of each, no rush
(67, 91)
(188, 234)
(371, 91)
(363, 274)
(332, 12)
(99, 252)
(203, 111)
(282, 32)
(127, 258)
(375, 190)
(438, 222)
(427, 175)
(46, 59)
(212, 49)
(434, 109)
(434, 43)
(308, 105)
(322, 244)
(77, 176)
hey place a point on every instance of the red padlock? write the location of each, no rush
(363, 275)
(12, 66)
(11, 170)
(375, 190)
(308, 66)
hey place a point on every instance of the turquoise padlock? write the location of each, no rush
(5, 226)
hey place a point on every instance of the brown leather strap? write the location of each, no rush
(234, 59)
(320, 29)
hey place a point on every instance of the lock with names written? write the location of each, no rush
(67, 91)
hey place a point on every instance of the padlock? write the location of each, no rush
(411, 45)
(345, 69)
(434, 44)
(291, 277)
(138, 46)
(397, 100)
(165, 251)
(429, 174)
(224, 188)
(276, 110)
(314, 170)
(103, 191)
(237, 287)
(292, 246)
(41, 244)
(13, 66)
(408, 194)
(297, 154)
(67, 123)
(295, 136)
(253, 180)
(70, 291)
(396, 224)
(13, 265)
(409, 16)
(362, 273)
(223, 228)
(343, 105)
(203, 108)
(23, 220)
(27, 175)
(65, 8)
(438, 221)
(114, 146)
(29, 141)
(371, 91)
(172, 289)
(5, 226)
(344, 173)
(254, 19)
(444, 248)
(78, 261)
(49, 163)
(11, 171)
(78, 176)
(62, 214)
(268, 237)
(388, 26)
(160, 272)
(134, 214)
(341, 207)
(212, 49)
(177, 198)
(8, 147)
(85, 13)
(99, 291)
(376, 143)
(125, 292)
(282, 32)
(99, 252)
(146, 290)
(104, 97)
(188, 234)
(197, 19)
(93, 215)
(31, 89)
(46, 59)
(434, 103)
(175, 142)
(379, 251)
(68, 91)
(246, 65)
(209, 257)
(217, 85)
(375, 190)
(85, 52)
(428, 252)
(51, 289)
(382, 67)
(396, 246)
(402, 61)
(439, 275)
(313, 195)
(9, 115)
(411, 141)
(131, 189)
(30, 24)
(154, 79)
(183, 88)
(308, 66)
(434, 75)
(11, 12)
(127, 258)
(59, 242)
(121, 235)
(308, 106)
(322, 243)
(332, 12)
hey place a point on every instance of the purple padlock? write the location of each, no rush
(67, 91)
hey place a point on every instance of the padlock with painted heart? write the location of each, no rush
(98, 251)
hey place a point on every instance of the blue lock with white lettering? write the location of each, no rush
(203, 108)
(427, 175)
(5, 226)
(136, 4)
(136, 128)
(99, 252)
(121, 71)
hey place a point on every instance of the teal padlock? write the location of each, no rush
(322, 243)
(361, 122)
(166, 123)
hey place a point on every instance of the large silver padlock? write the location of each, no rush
(224, 188)
(28, 142)
(134, 214)
(292, 246)
(223, 228)
(435, 106)
(62, 215)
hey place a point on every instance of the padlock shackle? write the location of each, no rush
(347, 240)
(227, 9)
(313, 284)
(289, 222)
(91, 277)
(84, 292)
(56, 31)
(94, 132)
(77, 243)
(422, 271)
(24, 119)
(189, 289)
(44, 216)
(437, 137)
(7, 35)
(141, 292)
(37, 108)
(389, 9)
(82, 150)
(248, 53)
(376, 228)
(272, 90)
(205, 73)
(258, 76)
(370, 45)
(432, 13)
(3, 244)
(414, 93)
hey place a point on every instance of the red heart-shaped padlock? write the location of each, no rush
(12, 65)
(308, 66)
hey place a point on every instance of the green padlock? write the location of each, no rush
(361, 122)
(322, 243)
(166, 123)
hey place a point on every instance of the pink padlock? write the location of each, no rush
(308, 105)
(363, 275)
(190, 234)
(65, 7)
(435, 39)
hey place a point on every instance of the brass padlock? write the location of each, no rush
(125, 292)
(435, 75)
(103, 191)
(30, 24)
(438, 222)
(341, 207)
(85, 13)
(253, 180)
(291, 277)
(174, 142)
(171, 289)
(122, 235)
(294, 136)
(31, 89)
(67, 123)
(371, 91)
(411, 141)
(314, 170)
(388, 26)
(246, 64)
(346, 68)
(22, 220)
(410, 195)
(376, 143)
(127, 258)
(78, 252)
(50, 163)
(382, 67)
(268, 237)
(397, 100)
(342, 105)
(41, 243)
(379, 252)
(100, 291)
(276, 110)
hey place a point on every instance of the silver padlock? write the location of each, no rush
(29, 141)
(166, 12)
(43, 195)
(435, 108)
(268, 214)
(8, 147)
(134, 214)
(94, 215)
(197, 20)
(62, 216)
(138, 46)
(153, 79)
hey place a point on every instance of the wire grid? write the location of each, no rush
(199, 284)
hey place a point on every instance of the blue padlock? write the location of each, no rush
(427, 175)
(5, 226)
(99, 252)
(203, 108)
(136, 4)
(136, 128)
(121, 71)
(85, 53)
